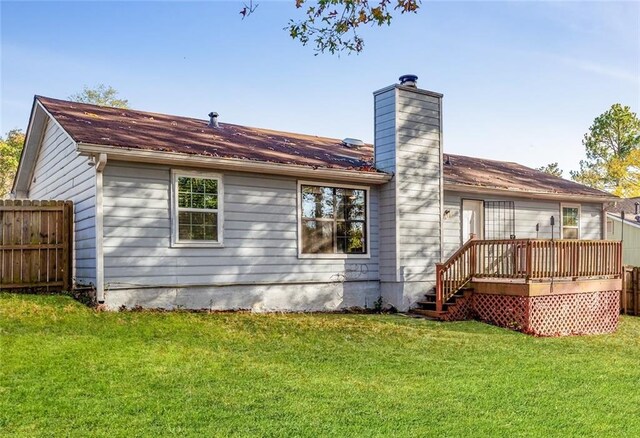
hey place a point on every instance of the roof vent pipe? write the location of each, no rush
(409, 80)
(213, 120)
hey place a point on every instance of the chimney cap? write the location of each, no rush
(408, 80)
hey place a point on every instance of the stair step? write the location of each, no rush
(432, 298)
(430, 313)
(428, 305)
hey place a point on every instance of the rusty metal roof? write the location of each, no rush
(504, 175)
(133, 129)
(142, 130)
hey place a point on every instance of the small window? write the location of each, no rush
(333, 220)
(197, 209)
(610, 226)
(570, 221)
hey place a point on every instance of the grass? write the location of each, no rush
(67, 370)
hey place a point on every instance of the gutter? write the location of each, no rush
(233, 164)
(527, 194)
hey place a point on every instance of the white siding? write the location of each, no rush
(528, 213)
(418, 164)
(385, 160)
(260, 234)
(631, 242)
(407, 144)
(60, 173)
(591, 221)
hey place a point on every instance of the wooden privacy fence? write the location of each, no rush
(35, 245)
(630, 298)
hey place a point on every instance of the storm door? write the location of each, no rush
(472, 219)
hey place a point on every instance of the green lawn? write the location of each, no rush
(67, 370)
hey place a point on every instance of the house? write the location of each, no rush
(631, 223)
(174, 211)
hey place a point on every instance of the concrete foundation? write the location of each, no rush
(404, 295)
(258, 298)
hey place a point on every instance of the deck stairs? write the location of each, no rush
(427, 306)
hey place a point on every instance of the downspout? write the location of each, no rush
(101, 162)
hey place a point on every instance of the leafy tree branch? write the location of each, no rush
(612, 147)
(102, 95)
(551, 169)
(332, 25)
(10, 149)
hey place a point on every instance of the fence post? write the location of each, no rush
(67, 215)
(635, 276)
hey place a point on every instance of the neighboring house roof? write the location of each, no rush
(627, 221)
(134, 129)
(629, 207)
(139, 130)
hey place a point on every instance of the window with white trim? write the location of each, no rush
(570, 221)
(197, 208)
(333, 220)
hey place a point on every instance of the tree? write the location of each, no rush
(612, 146)
(627, 171)
(551, 169)
(332, 25)
(10, 150)
(103, 95)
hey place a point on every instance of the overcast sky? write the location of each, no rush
(522, 80)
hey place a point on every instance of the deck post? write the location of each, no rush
(473, 261)
(529, 260)
(439, 291)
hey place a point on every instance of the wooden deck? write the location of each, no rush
(541, 287)
(525, 266)
(544, 287)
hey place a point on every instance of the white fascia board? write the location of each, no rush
(28, 158)
(25, 156)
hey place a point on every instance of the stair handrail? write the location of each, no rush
(441, 268)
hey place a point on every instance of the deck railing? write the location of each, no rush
(526, 260)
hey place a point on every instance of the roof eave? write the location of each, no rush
(528, 194)
(233, 164)
(36, 127)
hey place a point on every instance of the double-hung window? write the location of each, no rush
(570, 221)
(197, 209)
(333, 220)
